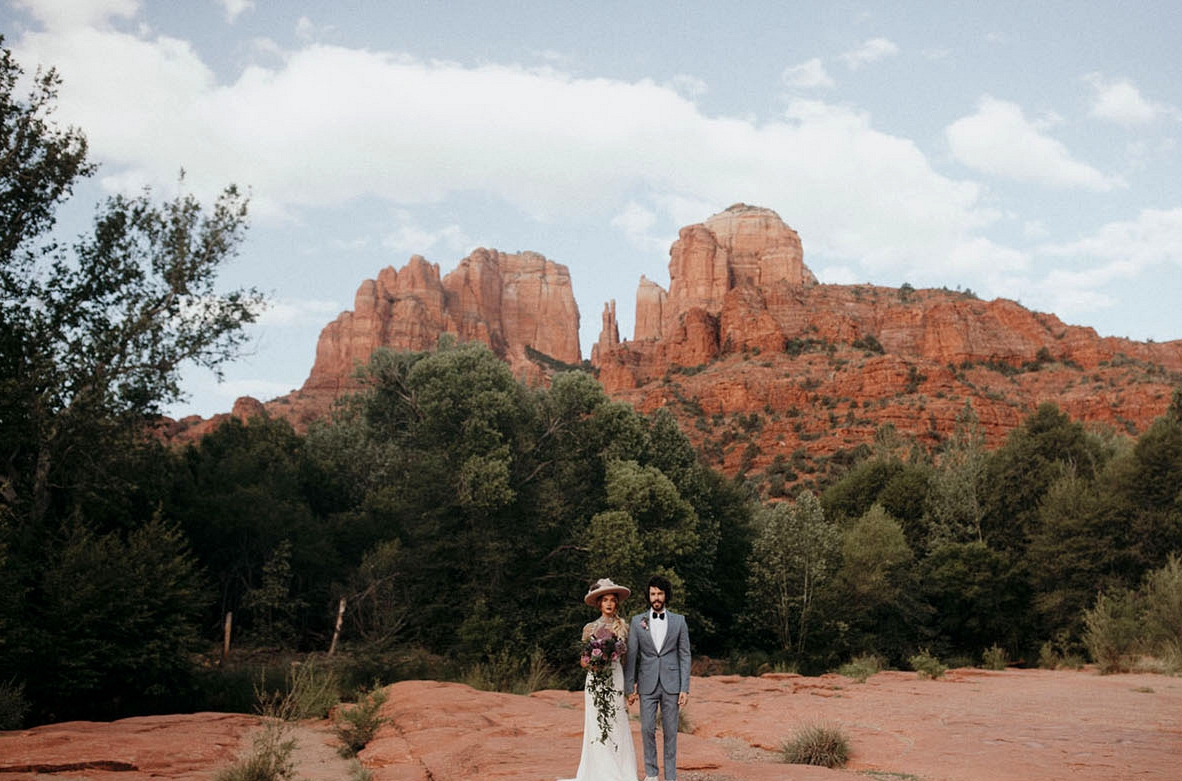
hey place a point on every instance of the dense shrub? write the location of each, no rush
(817, 744)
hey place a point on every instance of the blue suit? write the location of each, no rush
(659, 675)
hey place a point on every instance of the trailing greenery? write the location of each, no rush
(356, 725)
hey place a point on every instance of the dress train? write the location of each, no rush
(615, 759)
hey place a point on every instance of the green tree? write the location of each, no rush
(1047, 446)
(1150, 490)
(953, 508)
(874, 587)
(1075, 551)
(978, 596)
(794, 555)
(115, 624)
(240, 494)
(93, 336)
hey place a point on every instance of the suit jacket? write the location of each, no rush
(646, 665)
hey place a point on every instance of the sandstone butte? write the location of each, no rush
(758, 361)
(970, 725)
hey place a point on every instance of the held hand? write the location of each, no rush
(632, 698)
(682, 698)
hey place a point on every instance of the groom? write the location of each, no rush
(658, 667)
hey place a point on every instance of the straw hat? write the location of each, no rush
(605, 586)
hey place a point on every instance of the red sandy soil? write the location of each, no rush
(971, 725)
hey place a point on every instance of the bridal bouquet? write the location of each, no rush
(600, 650)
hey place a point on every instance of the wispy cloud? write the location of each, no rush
(871, 51)
(1001, 141)
(235, 8)
(413, 239)
(637, 223)
(298, 312)
(1120, 101)
(807, 75)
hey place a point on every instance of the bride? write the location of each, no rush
(608, 753)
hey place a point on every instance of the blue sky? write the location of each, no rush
(1024, 150)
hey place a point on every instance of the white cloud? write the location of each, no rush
(328, 125)
(871, 51)
(1087, 269)
(1120, 101)
(305, 29)
(1035, 229)
(836, 275)
(689, 86)
(637, 223)
(982, 255)
(1129, 247)
(807, 75)
(235, 8)
(999, 140)
(412, 239)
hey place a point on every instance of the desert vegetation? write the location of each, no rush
(446, 506)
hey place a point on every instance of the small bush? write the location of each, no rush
(994, 658)
(13, 705)
(359, 772)
(817, 744)
(861, 667)
(1060, 654)
(356, 724)
(508, 672)
(270, 758)
(926, 665)
(1112, 632)
(1162, 597)
(311, 690)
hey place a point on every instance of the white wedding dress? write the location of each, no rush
(615, 759)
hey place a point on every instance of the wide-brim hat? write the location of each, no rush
(605, 586)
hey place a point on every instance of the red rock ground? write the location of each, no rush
(972, 725)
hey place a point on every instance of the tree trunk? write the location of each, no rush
(336, 633)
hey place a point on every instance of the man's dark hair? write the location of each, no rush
(657, 581)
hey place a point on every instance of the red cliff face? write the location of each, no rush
(745, 330)
(514, 303)
(756, 358)
(509, 302)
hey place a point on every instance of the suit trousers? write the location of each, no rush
(648, 731)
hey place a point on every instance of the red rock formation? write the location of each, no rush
(745, 329)
(510, 302)
(744, 246)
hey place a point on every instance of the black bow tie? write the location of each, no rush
(659, 616)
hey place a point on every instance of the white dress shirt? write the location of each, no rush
(660, 629)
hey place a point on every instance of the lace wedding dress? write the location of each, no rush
(614, 759)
